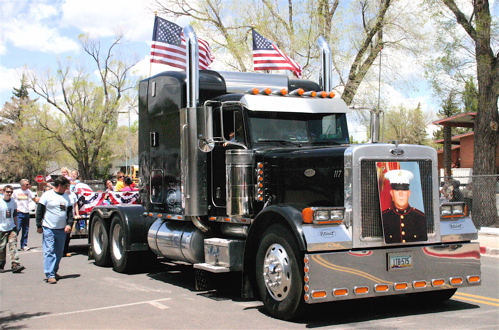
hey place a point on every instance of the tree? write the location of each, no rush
(406, 125)
(22, 144)
(478, 27)
(86, 109)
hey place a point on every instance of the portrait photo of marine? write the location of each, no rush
(401, 222)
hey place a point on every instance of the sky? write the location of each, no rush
(38, 33)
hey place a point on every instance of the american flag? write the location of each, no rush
(266, 56)
(168, 46)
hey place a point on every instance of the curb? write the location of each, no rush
(486, 251)
(491, 233)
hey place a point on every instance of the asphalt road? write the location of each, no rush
(164, 297)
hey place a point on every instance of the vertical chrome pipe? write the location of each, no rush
(326, 64)
(192, 66)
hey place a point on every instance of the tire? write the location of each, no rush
(100, 242)
(431, 297)
(279, 273)
(123, 261)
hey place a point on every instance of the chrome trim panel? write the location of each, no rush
(193, 166)
(368, 268)
(326, 238)
(458, 230)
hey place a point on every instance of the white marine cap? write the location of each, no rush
(399, 179)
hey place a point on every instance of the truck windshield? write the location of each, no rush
(284, 127)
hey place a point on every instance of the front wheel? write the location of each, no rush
(100, 242)
(279, 273)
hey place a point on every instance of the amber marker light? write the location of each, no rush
(361, 290)
(308, 215)
(306, 297)
(306, 288)
(310, 94)
(332, 94)
(319, 294)
(419, 284)
(305, 269)
(473, 279)
(305, 260)
(400, 286)
(381, 288)
(266, 91)
(438, 282)
(297, 92)
(340, 292)
(323, 94)
(282, 92)
(456, 280)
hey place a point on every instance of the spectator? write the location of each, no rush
(108, 186)
(1, 192)
(54, 218)
(76, 215)
(120, 184)
(22, 197)
(128, 184)
(457, 195)
(8, 232)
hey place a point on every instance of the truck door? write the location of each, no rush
(230, 128)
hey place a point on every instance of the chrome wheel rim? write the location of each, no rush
(277, 272)
(118, 242)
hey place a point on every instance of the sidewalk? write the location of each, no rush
(489, 241)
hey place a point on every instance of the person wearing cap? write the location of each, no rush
(401, 222)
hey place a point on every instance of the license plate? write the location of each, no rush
(399, 261)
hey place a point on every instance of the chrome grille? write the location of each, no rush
(370, 206)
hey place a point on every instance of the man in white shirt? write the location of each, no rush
(22, 197)
(54, 218)
(8, 230)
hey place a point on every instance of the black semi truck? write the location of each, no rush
(253, 173)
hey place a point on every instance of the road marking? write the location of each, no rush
(479, 299)
(155, 303)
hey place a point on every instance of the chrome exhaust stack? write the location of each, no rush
(326, 65)
(194, 187)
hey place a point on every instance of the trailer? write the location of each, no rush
(254, 174)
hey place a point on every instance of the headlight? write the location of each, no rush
(323, 215)
(453, 210)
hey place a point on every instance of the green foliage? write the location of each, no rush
(406, 125)
(25, 148)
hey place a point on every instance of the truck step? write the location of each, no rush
(212, 268)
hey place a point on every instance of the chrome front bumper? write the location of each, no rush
(360, 274)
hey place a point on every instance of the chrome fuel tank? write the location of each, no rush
(177, 240)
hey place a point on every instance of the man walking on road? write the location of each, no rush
(8, 231)
(54, 218)
(22, 197)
